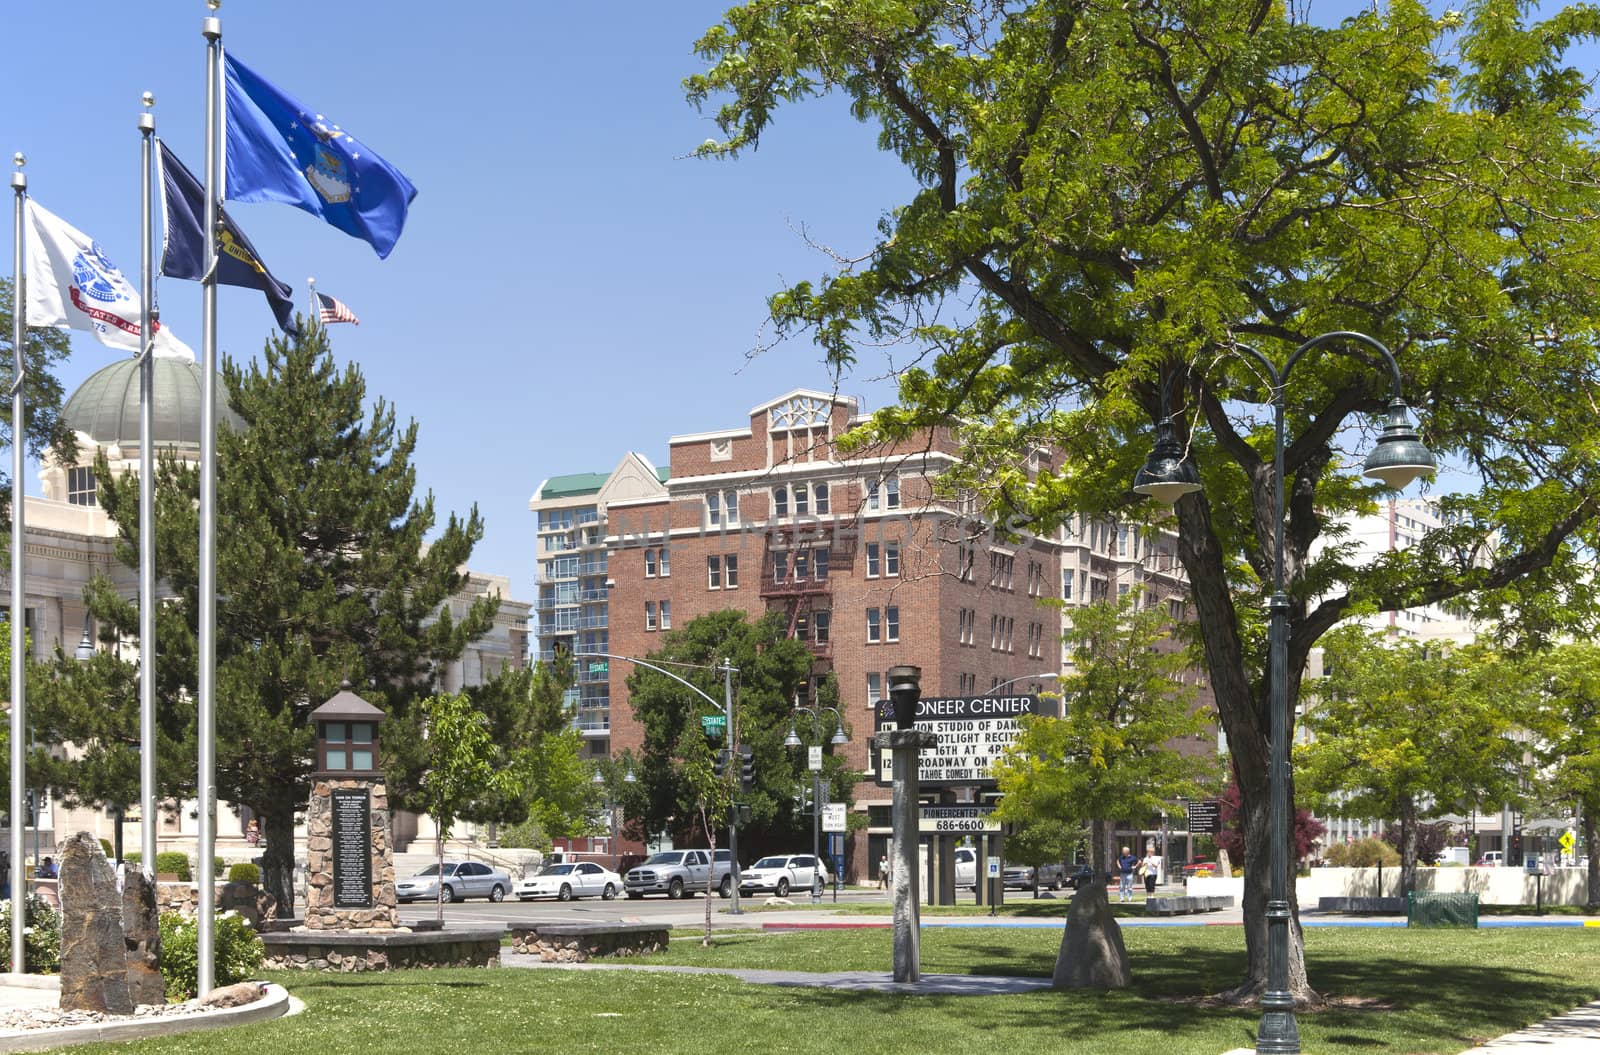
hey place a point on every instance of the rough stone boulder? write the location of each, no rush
(94, 962)
(1092, 954)
(141, 931)
(236, 995)
(249, 901)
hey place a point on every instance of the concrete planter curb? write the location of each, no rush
(274, 1004)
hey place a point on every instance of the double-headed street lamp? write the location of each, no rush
(611, 808)
(792, 740)
(1397, 460)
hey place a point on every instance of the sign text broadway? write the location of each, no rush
(972, 731)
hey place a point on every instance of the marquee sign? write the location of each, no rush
(972, 730)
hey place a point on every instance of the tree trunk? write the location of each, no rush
(1257, 823)
(711, 867)
(1408, 845)
(1591, 828)
(1246, 719)
(438, 875)
(277, 859)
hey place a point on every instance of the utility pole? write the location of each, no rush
(733, 758)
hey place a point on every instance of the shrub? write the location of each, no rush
(237, 952)
(133, 857)
(1364, 853)
(174, 862)
(105, 848)
(218, 867)
(244, 872)
(41, 937)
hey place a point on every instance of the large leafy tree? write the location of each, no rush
(1114, 194)
(322, 572)
(772, 670)
(41, 392)
(1407, 729)
(1566, 683)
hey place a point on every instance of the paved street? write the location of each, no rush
(688, 912)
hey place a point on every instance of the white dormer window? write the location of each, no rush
(800, 412)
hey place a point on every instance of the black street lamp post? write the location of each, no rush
(792, 740)
(611, 809)
(1397, 460)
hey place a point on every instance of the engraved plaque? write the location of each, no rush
(352, 848)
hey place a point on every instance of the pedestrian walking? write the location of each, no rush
(1126, 863)
(1150, 868)
(883, 872)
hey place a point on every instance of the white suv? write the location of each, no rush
(783, 873)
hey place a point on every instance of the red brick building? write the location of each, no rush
(871, 567)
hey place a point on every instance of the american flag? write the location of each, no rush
(333, 310)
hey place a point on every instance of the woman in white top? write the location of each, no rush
(1151, 865)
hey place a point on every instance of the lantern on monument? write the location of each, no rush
(347, 736)
(349, 857)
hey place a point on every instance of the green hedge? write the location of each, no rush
(174, 862)
(244, 872)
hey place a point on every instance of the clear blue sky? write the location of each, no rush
(569, 286)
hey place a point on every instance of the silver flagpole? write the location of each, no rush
(147, 509)
(207, 777)
(19, 703)
(314, 314)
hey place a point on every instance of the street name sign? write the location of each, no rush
(963, 820)
(714, 724)
(973, 731)
(814, 758)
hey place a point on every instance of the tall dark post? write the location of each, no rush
(906, 742)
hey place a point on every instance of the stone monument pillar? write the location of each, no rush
(348, 854)
(905, 743)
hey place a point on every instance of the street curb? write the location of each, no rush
(275, 1003)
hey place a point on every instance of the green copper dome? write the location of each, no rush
(106, 406)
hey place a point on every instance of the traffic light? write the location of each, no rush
(747, 767)
(720, 763)
(29, 806)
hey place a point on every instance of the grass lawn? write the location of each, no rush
(1447, 990)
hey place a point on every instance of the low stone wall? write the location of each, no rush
(1494, 886)
(1183, 906)
(577, 942)
(247, 899)
(389, 950)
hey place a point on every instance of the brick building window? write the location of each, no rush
(713, 572)
(649, 564)
(994, 631)
(874, 688)
(1097, 589)
(780, 501)
(874, 559)
(649, 615)
(780, 565)
(820, 563)
(802, 565)
(874, 626)
(891, 559)
(722, 507)
(665, 555)
(1066, 584)
(965, 557)
(820, 492)
(666, 615)
(961, 624)
(802, 500)
(891, 623)
(884, 494)
(730, 571)
(821, 626)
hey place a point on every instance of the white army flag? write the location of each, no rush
(72, 284)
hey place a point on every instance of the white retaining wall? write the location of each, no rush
(1494, 886)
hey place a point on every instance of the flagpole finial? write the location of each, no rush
(311, 281)
(19, 179)
(147, 120)
(213, 4)
(148, 99)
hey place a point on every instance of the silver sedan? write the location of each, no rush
(567, 881)
(462, 879)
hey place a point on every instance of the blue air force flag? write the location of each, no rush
(183, 208)
(73, 285)
(280, 151)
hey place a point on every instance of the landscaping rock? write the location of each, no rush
(232, 995)
(141, 932)
(1092, 954)
(94, 961)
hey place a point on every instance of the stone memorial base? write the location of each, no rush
(380, 950)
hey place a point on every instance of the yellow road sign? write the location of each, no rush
(1567, 842)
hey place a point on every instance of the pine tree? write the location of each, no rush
(41, 395)
(322, 573)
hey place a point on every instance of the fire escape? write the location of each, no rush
(797, 573)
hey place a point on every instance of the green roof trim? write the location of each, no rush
(573, 485)
(663, 473)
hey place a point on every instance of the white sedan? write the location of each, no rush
(568, 881)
